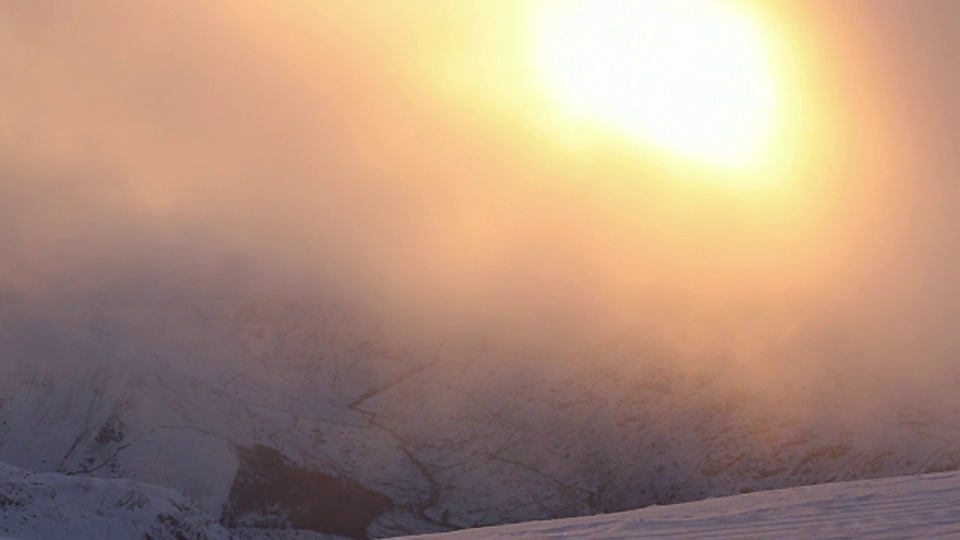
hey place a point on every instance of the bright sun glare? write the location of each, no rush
(692, 78)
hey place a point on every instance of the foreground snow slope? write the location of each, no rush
(53, 506)
(923, 506)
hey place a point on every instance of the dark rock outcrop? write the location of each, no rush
(272, 491)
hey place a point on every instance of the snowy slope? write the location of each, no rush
(236, 399)
(924, 506)
(53, 506)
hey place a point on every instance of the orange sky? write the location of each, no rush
(403, 153)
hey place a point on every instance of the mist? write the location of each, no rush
(298, 147)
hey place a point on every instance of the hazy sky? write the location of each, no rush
(397, 154)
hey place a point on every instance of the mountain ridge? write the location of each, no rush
(172, 386)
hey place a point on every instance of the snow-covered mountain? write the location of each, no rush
(906, 507)
(274, 411)
(54, 506)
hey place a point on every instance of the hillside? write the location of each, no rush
(907, 507)
(55, 506)
(276, 412)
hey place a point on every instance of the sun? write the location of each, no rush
(692, 78)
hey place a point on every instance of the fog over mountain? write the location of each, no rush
(288, 227)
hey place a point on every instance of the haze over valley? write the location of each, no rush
(299, 268)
